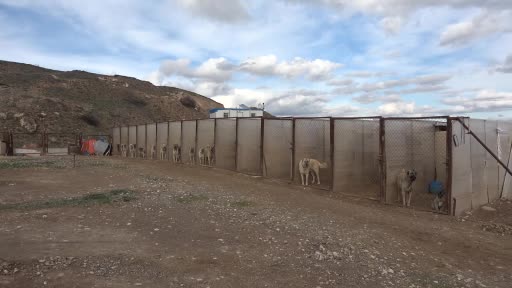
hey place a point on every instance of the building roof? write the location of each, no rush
(214, 110)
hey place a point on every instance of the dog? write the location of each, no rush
(153, 152)
(192, 155)
(133, 150)
(405, 180)
(313, 166)
(142, 152)
(163, 152)
(176, 153)
(122, 149)
(210, 155)
(202, 155)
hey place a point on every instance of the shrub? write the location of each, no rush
(90, 119)
(188, 101)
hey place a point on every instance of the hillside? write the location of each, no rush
(78, 101)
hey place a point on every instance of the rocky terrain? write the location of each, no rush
(32, 97)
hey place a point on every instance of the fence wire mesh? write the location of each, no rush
(225, 144)
(278, 148)
(312, 141)
(249, 146)
(411, 144)
(58, 143)
(151, 141)
(356, 157)
(142, 150)
(28, 143)
(116, 141)
(188, 149)
(162, 132)
(174, 136)
(205, 134)
(132, 133)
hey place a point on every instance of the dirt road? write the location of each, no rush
(114, 222)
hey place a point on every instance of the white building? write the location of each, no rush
(235, 112)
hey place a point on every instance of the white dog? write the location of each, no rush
(404, 180)
(313, 166)
(153, 152)
(132, 148)
(202, 156)
(210, 155)
(176, 153)
(163, 152)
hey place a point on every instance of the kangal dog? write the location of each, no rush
(192, 155)
(132, 149)
(404, 180)
(210, 155)
(202, 156)
(313, 166)
(163, 152)
(142, 152)
(122, 149)
(153, 152)
(176, 153)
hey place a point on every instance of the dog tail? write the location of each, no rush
(323, 165)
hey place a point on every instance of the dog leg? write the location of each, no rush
(409, 198)
(404, 195)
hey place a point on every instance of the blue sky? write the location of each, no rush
(300, 57)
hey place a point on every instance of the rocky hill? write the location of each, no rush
(76, 101)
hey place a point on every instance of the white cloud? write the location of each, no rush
(482, 25)
(369, 98)
(391, 25)
(268, 65)
(483, 101)
(397, 108)
(340, 82)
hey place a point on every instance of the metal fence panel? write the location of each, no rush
(504, 143)
(225, 147)
(491, 167)
(312, 140)
(356, 157)
(174, 135)
(277, 148)
(461, 183)
(205, 134)
(124, 138)
(411, 144)
(116, 141)
(58, 143)
(189, 142)
(27, 143)
(161, 141)
(132, 133)
(478, 158)
(141, 140)
(249, 146)
(151, 141)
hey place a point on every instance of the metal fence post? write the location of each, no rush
(236, 144)
(292, 166)
(382, 158)
(449, 165)
(146, 140)
(331, 128)
(196, 151)
(168, 144)
(262, 157)
(181, 141)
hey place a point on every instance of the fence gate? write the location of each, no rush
(278, 148)
(189, 142)
(225, 143)
(162, 132)
(312, 140)
(410, 143)
(249, 145)
(205, 133)
(356, 157)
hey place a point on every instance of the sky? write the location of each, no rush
(299, 57)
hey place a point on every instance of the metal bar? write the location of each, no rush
(331, 140)
(181, 141)
(262, 158)
(416, 118)
(449, 167)
(195, 149)
(485, 146)
(214, 141)
(292, 172)
(382, 159)
(236, 144)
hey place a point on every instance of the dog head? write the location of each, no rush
(305, 163)
(411, 175)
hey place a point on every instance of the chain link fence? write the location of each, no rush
(313, 141)
(249, 146)
(225, 143)
(278, 148)
(357, 157)
(411, 144)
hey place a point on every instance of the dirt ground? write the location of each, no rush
(202, 227)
